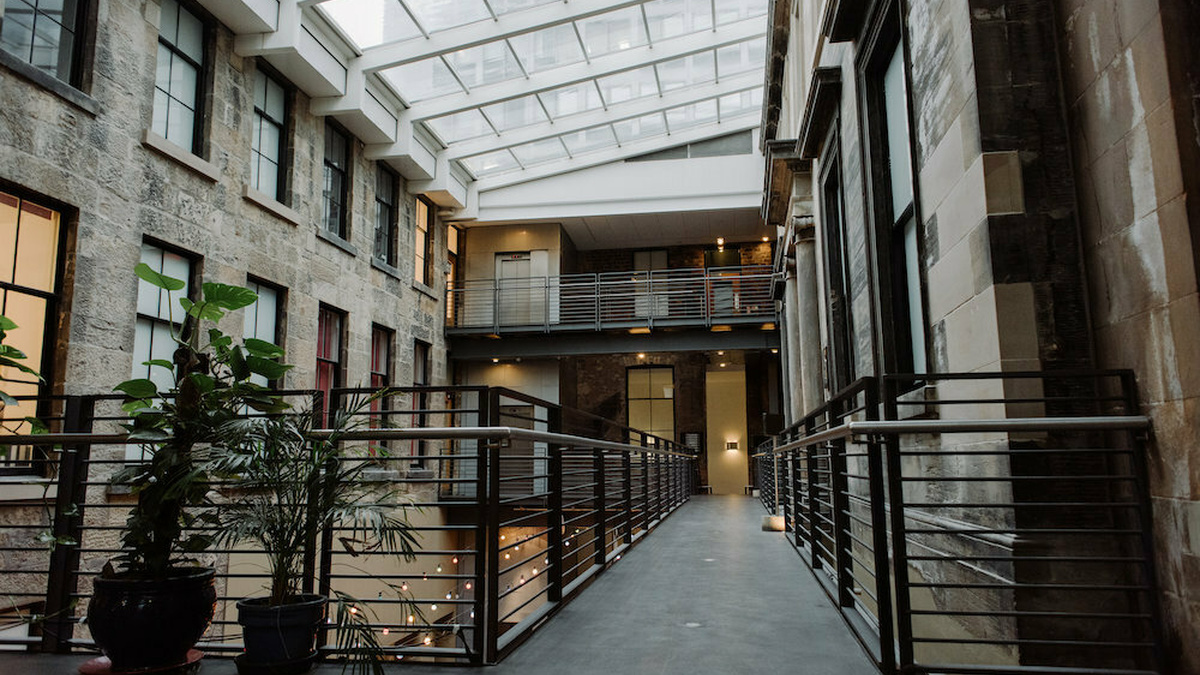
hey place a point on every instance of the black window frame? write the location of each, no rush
(281, 296)
(204, 73)
(841, 367)
(283, 174)
(387, 216)
(427, 249)
(885, 35)
(337, 360)
(81, 28)
(335, 212)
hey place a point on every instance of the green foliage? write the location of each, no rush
(211, 388)
(290, 487)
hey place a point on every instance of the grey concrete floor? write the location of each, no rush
(708, 592)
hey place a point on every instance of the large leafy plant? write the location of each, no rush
(212, 386)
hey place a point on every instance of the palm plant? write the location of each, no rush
(290, 486)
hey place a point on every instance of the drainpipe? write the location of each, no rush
(808, 340)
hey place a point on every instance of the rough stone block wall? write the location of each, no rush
(115, 192)
(1126, 81)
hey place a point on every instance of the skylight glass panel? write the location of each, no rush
(687, 71)
(729, 11)
(570, 100)
(640, 127)
(589, 140)
(491, 163)
(547, 48)
(613, 31)
(692, 115)
(516, 113)
(502, 7)
(371, 22)
(537, 152)
(742, 57)
(628, 85)
(421, 80)
(443, 14)
(460, 126)
(671, 18)
(741, 103)
(486, 64)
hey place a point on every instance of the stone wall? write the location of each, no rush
(1129, 85)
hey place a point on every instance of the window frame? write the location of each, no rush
(280, 313)
(82, 38)
(629, 400)
(830, 190)
(283, 165)
(328, 169)
(204, 76)
(423, 251)
(897, 351)
(336, 362)
(55, 301)
(422, 367)
(387, 243)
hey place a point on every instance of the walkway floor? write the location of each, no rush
(709, 592)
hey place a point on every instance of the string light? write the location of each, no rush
(386, 631)
(468, 585)
(428, 640)
(522, 579)
(404, 586)
(424, 576)
(535, 571)
(411, 618)
(433, 608)
(507, 556)
(354, 610)
(439, 569)
(454, 560)
(447, 595)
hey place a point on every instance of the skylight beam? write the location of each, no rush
(517, 58)
(577, 73)
(618, 112)
(416, 22)
(587, 58)
(600, 93)
(491, 11)
(743, 122)
(646, 25)
(505, 26)
(455, 75)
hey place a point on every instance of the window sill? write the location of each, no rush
(187, 160)
(422, 288)
(918, 403)
(336, 241)
(386, 268)
(51, 84)
(261, 200)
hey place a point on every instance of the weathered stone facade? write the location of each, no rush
(1053, 148)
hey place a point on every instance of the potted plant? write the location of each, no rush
(151, 608)
(288, 487)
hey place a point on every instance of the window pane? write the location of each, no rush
(912, 275)
(587, 140)
(371, 22)
(441, 14)
(422, 80)
(37, 247)
(628, 85)
(691, 115)
(515, 113)
(183, 82)
(486, 64)
(274, 100)
(613, 31)
(661, 381)
(547, 48)
(896, 111)
(570, 100)
(29, 313)
(168, 21)
(641, 127)
(180, 124)
(191, 36)
(639, 383)
(460, 126)
(17, 36)
(639, 414)
(690, 70)
(491, 163)
(669, 18)
(546, 150)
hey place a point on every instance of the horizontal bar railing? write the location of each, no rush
(972, 523)
(572, 302)
(513, 516)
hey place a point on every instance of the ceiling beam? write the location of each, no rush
(748, 120)
(503, 27)
(617, 113)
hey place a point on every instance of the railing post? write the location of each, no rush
(311, 541)
(492, 610)
(546, 304)
(879, 540)
(627, 482)
(67, 524)
(596, 294)
(839, 497)
(484, 550)
(645, 488)
(554, 513)
(899, 569)
(810, 464)
(601, 525)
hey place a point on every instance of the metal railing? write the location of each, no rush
(516, 502)
(612, 300)
(978, 523)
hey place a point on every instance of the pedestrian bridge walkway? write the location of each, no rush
(709, 593)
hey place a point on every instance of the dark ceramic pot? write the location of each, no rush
(280, 635)
(142, 624)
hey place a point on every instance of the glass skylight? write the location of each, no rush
(547, 93)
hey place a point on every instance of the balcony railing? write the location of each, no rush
(688, 297)
(516, 504)
(978, 523)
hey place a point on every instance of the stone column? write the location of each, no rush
(792, 348)
(808, 318)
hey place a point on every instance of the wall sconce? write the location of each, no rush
(731, 446)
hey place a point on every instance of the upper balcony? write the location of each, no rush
(682, 298)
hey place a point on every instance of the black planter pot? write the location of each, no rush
(143, 624)
(280, 639)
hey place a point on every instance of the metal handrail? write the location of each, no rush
(866, 427)
(384, 434)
